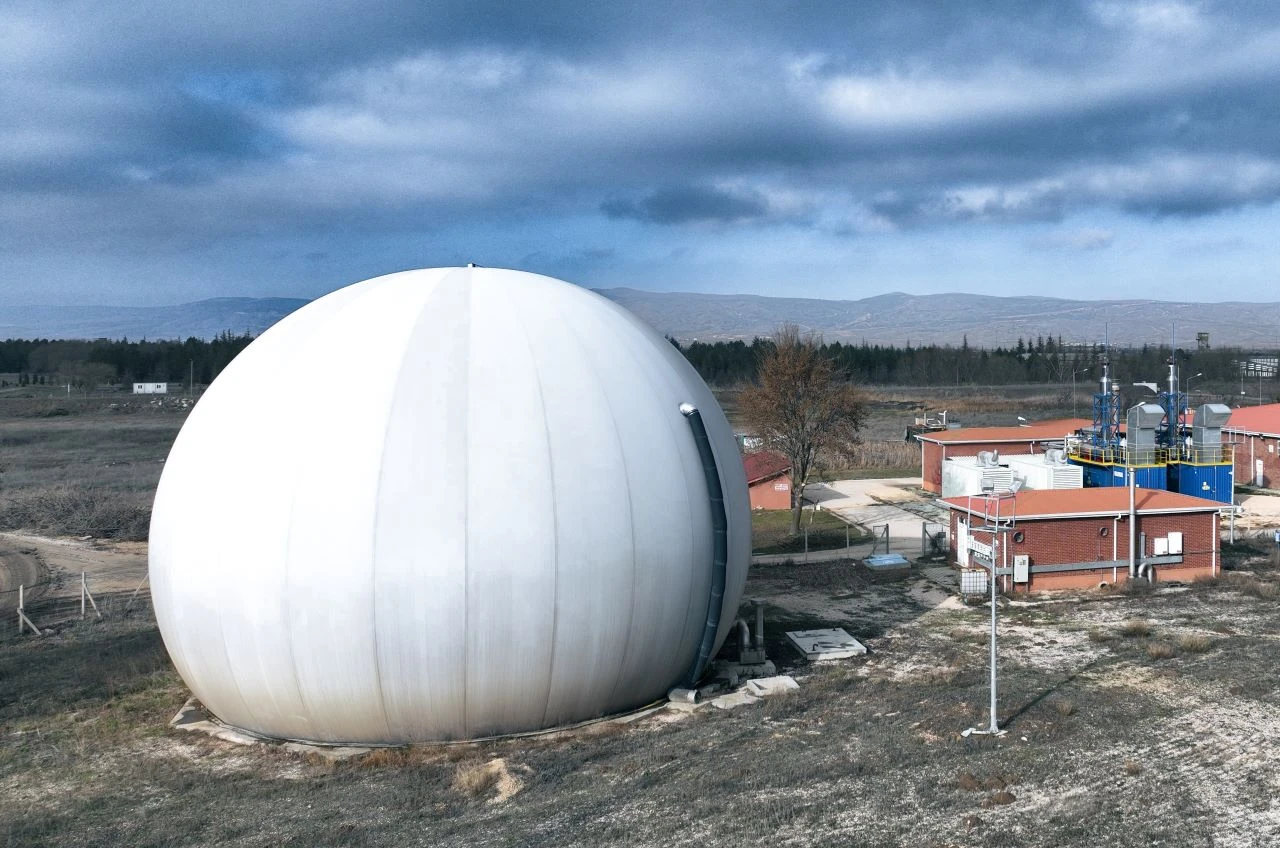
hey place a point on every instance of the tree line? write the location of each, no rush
(1044, 359)
(106, 361)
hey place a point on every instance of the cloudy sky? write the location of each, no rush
(158, 151)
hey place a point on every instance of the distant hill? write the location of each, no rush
(891, 319)
(203, 319)
(895, 319)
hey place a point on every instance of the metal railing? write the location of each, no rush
(1119, 455)
(1214, 455)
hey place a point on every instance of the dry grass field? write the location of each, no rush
(1135, 719)
(84, 467)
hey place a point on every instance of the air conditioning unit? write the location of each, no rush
(1021, 568)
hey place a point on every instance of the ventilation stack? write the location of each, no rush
(1206, 467)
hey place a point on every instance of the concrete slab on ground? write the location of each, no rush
(871, 504)
(831, 643)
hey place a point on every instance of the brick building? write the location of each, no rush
(1079, 538)
(1255, 432)
(767, 480)
(969, 441)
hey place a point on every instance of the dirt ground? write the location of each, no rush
(50, 570)
(1133, 719)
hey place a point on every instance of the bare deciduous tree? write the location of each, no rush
(803, 408)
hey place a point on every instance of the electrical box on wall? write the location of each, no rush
(1021, 568)
(1175, 542)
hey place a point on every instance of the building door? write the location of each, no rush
(962, 542)
(1257, 473)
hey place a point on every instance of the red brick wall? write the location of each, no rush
(931, 467)
(1263, 448)
(1066, 540)
(774, 493)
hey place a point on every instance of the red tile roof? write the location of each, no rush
(764, 465)
(1255, 419)
(1039, 431)
(1052, 503)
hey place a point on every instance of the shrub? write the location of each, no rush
(1002, 797)
(474, 779)
(1063, 707)
(1195, 643)
(1135, 627)
(77, 511)
(1161, 651)
(1132, 769)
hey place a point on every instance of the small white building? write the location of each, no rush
(151, 388)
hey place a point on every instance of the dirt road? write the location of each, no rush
(50, 568)
(19, 566)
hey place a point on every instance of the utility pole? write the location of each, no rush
(998, 525)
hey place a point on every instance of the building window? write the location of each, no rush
(1103, 531)
(1018, 536)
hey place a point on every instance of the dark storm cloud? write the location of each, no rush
(178, 121)
(681, 204)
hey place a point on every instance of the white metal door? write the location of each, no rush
(962, 542)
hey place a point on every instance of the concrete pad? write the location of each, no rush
(1257, 512)
(828, 644)
(865, 492)
(333, 753)
(767, 686)
(192, 717)
(734, 699)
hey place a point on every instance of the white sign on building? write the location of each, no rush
(980, 548)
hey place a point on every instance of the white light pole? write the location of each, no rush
(1189, 379)
(1073, 390)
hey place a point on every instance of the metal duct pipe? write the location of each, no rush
(720, 535)
(1133, 524)
(744, 634)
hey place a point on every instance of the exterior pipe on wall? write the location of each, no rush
(1215, 539)
(720, 536)
(1133, 526)
(1115, 547)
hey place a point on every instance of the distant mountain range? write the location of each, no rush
(893, 319)
(203, 319)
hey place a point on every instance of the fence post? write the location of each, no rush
(85, 593)
(22, 614)
(134, 596)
